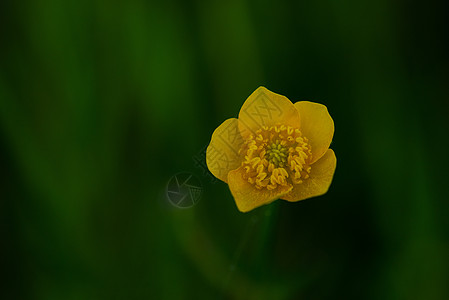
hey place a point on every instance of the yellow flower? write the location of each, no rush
(275, 149)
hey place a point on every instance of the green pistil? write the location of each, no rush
(277, 154)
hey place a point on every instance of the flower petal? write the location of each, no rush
(265, 108)
(222, 152)
(319, 181)
(316, 125)
(247, 196)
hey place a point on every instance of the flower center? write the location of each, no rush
(276, 156)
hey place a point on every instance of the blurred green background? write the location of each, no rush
(102, 102)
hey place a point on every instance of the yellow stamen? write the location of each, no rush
(276, 156)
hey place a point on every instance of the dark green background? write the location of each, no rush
(101, 102)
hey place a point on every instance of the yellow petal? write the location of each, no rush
(247, 196)
(265, 108)
(319, 181)
(222, 153)
(316, 125)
